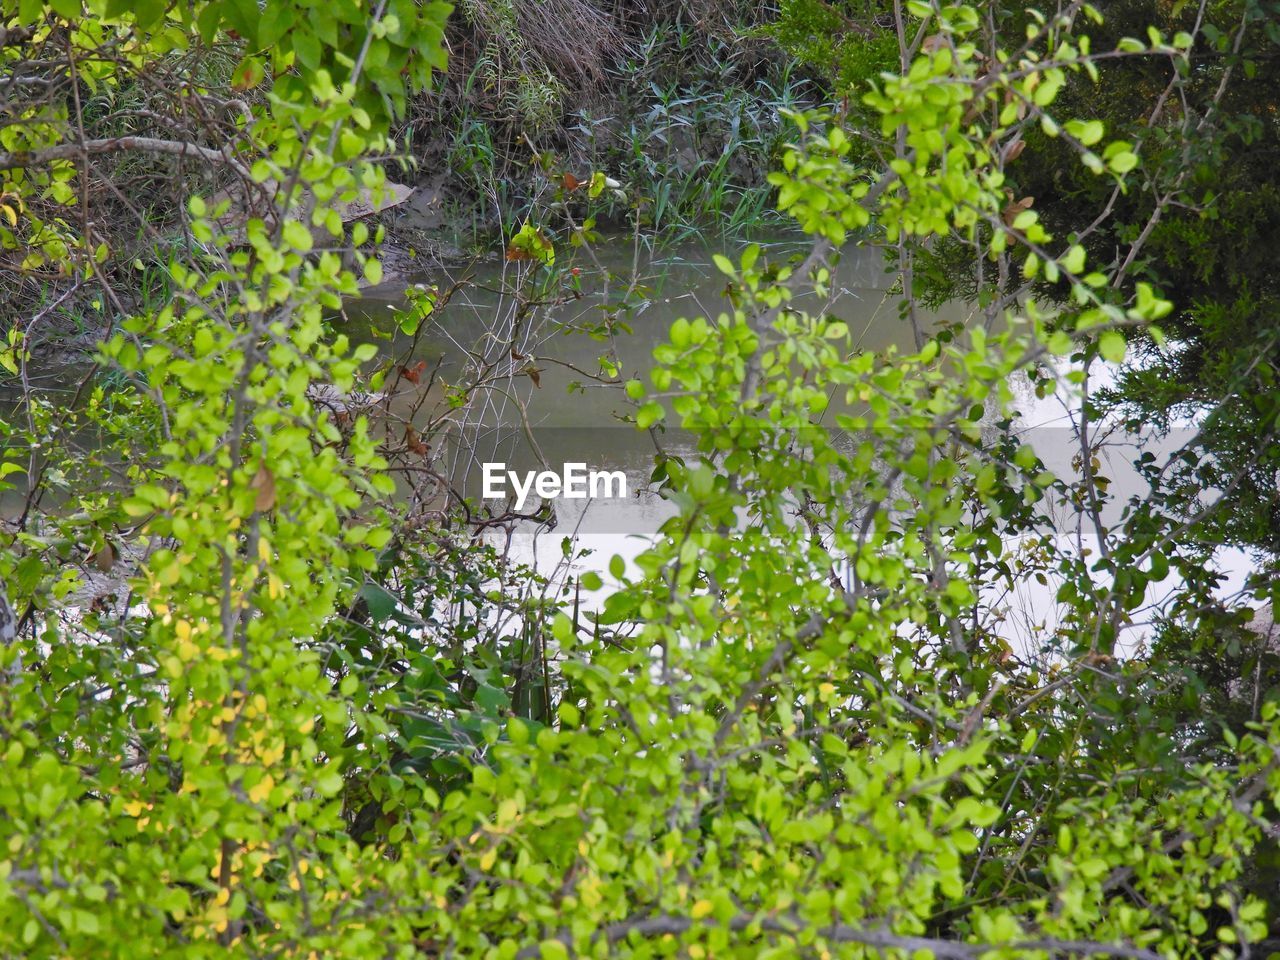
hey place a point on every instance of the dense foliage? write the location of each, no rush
(315, 726)
(679, 99)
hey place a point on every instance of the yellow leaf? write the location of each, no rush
(272, 755)
(262, 790)
(507, 811)
(701, 909)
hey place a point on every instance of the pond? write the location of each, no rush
(541, 370)
(509, 372)
(510, 369)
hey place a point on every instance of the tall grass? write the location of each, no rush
(686, 119)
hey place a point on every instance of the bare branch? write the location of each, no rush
(72, 151)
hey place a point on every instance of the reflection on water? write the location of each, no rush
(531, 376)
(522, 367)
(510, 369)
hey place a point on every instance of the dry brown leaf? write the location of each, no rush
(414, 442)
(264, 486)
(1013, 208)
(105, 558)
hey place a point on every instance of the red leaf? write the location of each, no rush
(414, 373)
(414, 442)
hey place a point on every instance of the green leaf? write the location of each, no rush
(569, 714)
(380, 602)
(208, 20)
(147, 13)
(1092, 868)
(329, 781)
(1088, 132)
(277, 18)
(649, 414)
(1123, 161)
(492, 700)
(1074, 259)
(297, 236)
(306, 47)
(680, 333)
(1111, 345)
(409, 321)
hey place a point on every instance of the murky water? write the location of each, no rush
(512, 369)
(543, 368)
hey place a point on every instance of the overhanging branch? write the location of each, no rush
(71, 151)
